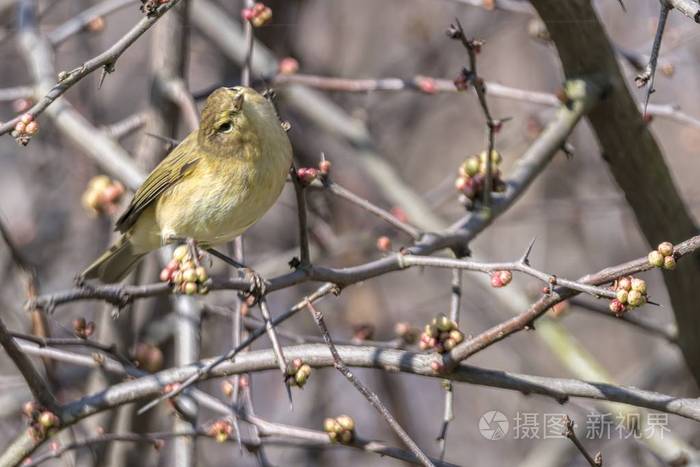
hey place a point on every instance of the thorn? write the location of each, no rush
(525, 259)
(106, 69)
(622, 5)
(165, 139)
(289, 395)
(568, 149)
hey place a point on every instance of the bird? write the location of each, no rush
(210, 188)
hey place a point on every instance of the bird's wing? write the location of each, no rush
(172, 169)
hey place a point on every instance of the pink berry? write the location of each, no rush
(496, 280)
(288, 66)
(427, 85)
(165, 275)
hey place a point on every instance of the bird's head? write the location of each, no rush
(235, 117)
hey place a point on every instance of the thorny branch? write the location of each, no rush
(597, 460)
(426, 244)
(106, 60)
(649, 73)
(364, 390)
(470, 76)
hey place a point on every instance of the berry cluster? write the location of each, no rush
(42, 422)
(83, 329)
(663, 256)
(340, 429)
(184, 274)
(307, 175)
(102, 195)
(501, 278)
(259, 15)
(442, 335)
(631, 293)
(25, 129)
(220, 430)
(471, 181)
(298, 373)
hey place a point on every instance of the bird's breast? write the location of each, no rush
(221, 198)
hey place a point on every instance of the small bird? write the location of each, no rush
(213, 186)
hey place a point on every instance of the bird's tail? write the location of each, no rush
(115, 263)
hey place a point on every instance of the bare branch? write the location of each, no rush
(569, 433)
(689, 8)
(364, 390)
(106, 59)
(649, 73)
(78, 22)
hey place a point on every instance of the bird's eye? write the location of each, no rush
(225, 127)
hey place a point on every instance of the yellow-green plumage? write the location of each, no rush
(214, 185)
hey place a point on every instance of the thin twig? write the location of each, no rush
(364, 390)
(448, 414)
(36, 383)
(17, 92)
(276, 347)
(649, 73)
(689, 8)
(300, 193)
(667, 332)
(493, 89)
(72, 342)
(250, 42)
(126, 126)
(106, 60)
(211, 365)
(557, 295)
(520, 266)
(596, 461)
(372, 208)
(471, 76)
(78, 22)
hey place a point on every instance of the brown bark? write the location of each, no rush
(633, 155)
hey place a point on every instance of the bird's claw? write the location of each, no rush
(194, 251)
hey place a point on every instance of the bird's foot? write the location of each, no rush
(194, 250)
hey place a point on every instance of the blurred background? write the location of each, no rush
(574, 209)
